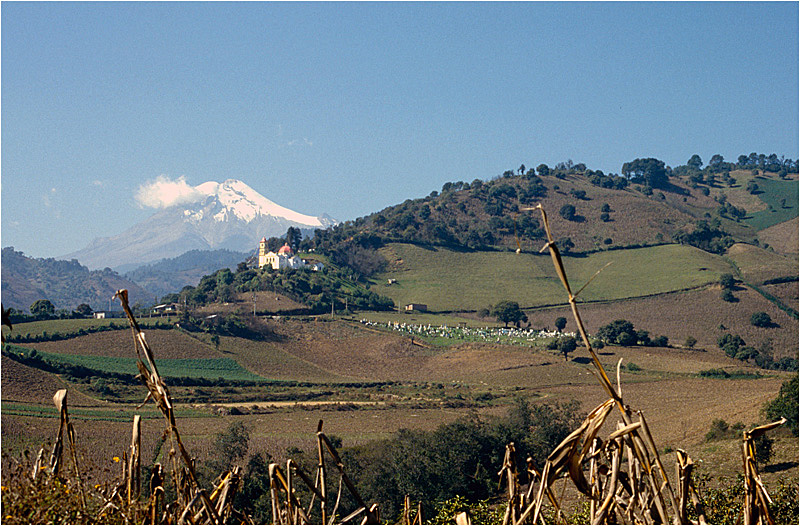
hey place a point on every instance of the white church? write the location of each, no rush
(284, 258)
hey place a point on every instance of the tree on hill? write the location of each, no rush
(83, 310)
(620, 332)
(760, 319)
(509, 312)
(43, 309)
(567, 344)
(707, 236)
(727, 281)
(652, 172)
(561, 322)
(695, 162)
(727, 295)
(567, 212)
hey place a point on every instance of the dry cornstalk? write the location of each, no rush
(287, 508)
(157, 390)
(638, 495)
(60, 401)
(134, 461)
(756, 499)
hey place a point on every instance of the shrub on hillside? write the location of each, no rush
(727, 281)
(727, 295)
(455, 459)
(760, 319)
(567, 212)
(785, 405)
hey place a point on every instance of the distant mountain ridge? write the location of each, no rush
(171, 275)
(229, 215)
(66, 284)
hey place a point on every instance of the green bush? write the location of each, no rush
(785, 405)
(728, 296)
(760, 319)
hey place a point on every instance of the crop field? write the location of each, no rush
(25, 384)
(120, 414)
(436, 277)
(71, 327)
(212, 368)
(783, 237)
(781, 198)
(757, 265)
(171, 344)
(273, 361)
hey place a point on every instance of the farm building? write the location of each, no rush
(416, 307)
(165, 309)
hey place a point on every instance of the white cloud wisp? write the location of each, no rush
(165, 192)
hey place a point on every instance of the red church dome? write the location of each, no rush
(285, 249)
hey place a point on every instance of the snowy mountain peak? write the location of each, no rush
(228, 215)
(239, 200)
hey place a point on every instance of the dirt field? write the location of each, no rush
(783, 237)
(676, 316)
(167, 344)
(21, 383)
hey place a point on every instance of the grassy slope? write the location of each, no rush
(773, 191)
(211, 368)
(448, 280)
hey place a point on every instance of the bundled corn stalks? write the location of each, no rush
(622, 475)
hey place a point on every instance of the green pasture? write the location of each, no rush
(69, 327)
(448, 280)
(209, 368)
(772, 192)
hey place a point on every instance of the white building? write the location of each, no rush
(284, 258)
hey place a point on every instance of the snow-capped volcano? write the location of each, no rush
(238, 200)
(229, 215)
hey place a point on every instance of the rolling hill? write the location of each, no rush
(66, 284)
(606, 212)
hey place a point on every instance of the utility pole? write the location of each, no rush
(254, 302)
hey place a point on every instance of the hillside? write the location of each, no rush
(709, 208)
(66, 284)
(382, 381)
(450, 280)
(171, 275)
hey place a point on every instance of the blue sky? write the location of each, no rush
(348, 108)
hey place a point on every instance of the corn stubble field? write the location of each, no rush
(638, 455)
